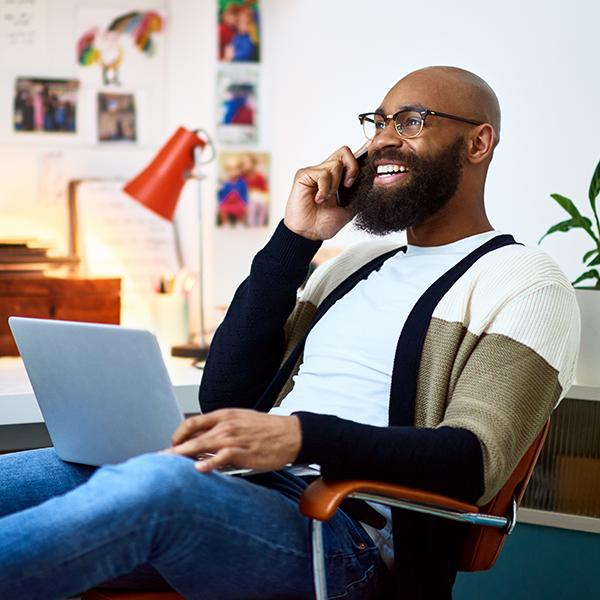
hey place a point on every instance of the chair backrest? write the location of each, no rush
(483, 544)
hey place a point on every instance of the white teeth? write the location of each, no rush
(389, 169)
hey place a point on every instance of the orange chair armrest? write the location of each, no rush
(322, 498)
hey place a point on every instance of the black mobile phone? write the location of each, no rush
(345, 194)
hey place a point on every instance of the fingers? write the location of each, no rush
(353, 169)
(190, 427)
(244, 437)
(326, 177)
(210, 462)
(192, 436)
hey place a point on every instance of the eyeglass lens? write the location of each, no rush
(408, 124)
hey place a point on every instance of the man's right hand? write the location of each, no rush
(311, 210)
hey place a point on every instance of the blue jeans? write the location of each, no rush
(154, 522)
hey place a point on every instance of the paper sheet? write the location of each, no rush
(119, 237)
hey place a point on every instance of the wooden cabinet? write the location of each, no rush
(69, 299)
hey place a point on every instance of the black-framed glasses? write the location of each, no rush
(408, 122)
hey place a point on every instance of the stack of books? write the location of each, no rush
(23, 257)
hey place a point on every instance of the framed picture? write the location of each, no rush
(237, 103)
(239, 31)
(45, 105)
(243, 196)
(116, 117)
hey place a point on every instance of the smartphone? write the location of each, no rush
(345, 194)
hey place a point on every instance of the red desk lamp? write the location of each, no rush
(158, 188)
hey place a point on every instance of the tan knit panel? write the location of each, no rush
(446, 349)
(297, 325)
(295, 328)
(289, 384)
(503, 394)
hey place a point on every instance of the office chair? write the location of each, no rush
(488, 525)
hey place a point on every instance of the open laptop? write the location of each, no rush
(104, 390)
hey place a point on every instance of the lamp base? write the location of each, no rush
(194, 351)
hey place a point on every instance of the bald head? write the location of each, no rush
(455, 91)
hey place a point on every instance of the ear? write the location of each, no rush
(480, 143)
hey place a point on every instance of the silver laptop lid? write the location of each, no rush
(104, 390)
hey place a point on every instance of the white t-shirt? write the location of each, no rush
(349, 354)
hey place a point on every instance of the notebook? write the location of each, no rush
(104, 390)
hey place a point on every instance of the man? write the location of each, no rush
(498, 353)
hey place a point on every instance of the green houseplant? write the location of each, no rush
(588, 298)
(578, 221)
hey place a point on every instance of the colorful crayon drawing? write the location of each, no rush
(105, 48)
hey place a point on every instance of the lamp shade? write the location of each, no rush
(158, 186)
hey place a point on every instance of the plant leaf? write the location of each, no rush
(591, 274)
(568, 225)
(595, 188)
(562, 226)
(589, 254)
(578, 219)
(596, 261)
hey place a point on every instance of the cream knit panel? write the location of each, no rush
(331, 273)
(520, 293)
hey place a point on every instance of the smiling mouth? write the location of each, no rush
(389, 170)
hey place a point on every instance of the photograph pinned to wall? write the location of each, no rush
(116, 47)
(116, 117)
(244, 191)
(237, 104)
(45, 105)
(239, 31)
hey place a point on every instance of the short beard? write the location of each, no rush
(433, 181)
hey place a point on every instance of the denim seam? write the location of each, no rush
(244, 533)
(349, 585)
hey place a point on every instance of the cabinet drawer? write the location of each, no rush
(90, 300)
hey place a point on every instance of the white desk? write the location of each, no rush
(22, 424)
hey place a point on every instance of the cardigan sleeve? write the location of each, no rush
(247, 348)
(445, 460)
(513, 375)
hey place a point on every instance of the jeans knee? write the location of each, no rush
(155, 480)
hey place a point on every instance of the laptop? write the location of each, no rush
(104, 390)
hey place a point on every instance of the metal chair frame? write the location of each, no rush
(505, 524)
(322, 498)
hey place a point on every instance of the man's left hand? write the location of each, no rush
(247, 438)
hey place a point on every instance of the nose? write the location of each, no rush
(386, 138)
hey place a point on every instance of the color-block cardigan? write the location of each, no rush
(499, 354)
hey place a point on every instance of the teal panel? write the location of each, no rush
(538, 563)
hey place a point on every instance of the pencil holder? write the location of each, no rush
(171, 321)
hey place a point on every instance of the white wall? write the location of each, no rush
(330, 60)
(325, 61)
